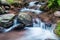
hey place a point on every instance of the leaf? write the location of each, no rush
(49, 4)
(58, 2)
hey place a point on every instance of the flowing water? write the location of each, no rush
(39, 31)
(15, 24)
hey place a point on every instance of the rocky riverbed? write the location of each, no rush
(43, 22)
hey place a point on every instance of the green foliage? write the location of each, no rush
(57, 30)
(10, 1)
(50, 2)
(53, 4)
(58, 2)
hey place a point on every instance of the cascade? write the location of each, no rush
(40, 28)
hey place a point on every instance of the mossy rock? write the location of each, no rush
(6, 20)
(57, 30)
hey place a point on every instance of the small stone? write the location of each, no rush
(57, 13)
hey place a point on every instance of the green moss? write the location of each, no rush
(57, 30)
(10, 1)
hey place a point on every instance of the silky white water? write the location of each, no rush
(15, 24)
(39, 31)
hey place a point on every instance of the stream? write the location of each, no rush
(39, 28)
(39, 31)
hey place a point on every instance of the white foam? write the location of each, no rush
(32, 3)
(31, 10)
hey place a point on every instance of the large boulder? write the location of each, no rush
(6, 20)
(25, 18)
(3, 1)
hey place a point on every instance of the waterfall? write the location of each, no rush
(31, 4)
(40, 28)
(15, 24)
(30, 10)
(46, 32)
(40, 24)
(40, 31)
(36, 24)
(37, 12)
(15, 21)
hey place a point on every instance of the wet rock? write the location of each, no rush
(3, 1)
(6, 20)
(25, 18)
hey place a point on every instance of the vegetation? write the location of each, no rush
(52, 5)
(57, 30)
(10, 1)
(55, 5)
